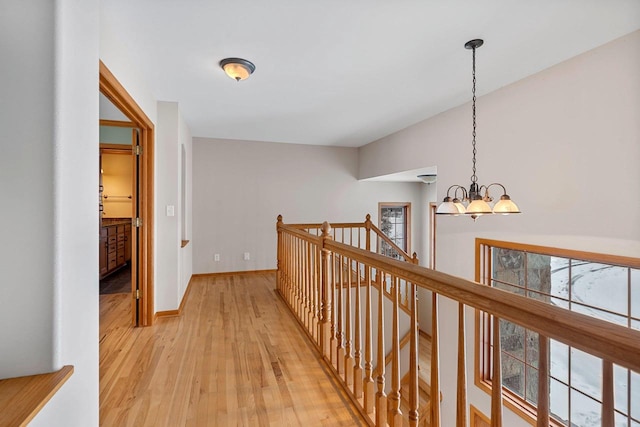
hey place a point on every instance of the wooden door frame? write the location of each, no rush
(118, 95)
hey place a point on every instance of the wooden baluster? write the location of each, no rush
(315, 284)
(414, 390)
(284, 264)
(543, 381)
(289, 269)
(334, 312)
(294, 275)
(381, 397)
(300, 270)
(461, 404)
(367, 243)
(368, 347)
(325, 298)
(319, 289)
(395, 414)
(608, 415)
(435, 363)
(348, 357)
(496, 377)
(309, 289)
(300, 280)
(357, 370)
(303, 283)
(279, 256)
(340, 353)
(405, 286)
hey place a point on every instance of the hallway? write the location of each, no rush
(236, 357)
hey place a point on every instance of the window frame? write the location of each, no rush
(483, 275)
(407, 224)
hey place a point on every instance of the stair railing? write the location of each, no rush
(313, 281)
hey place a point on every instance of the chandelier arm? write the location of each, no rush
(464, 192)
(486, 196)
(504, 190)
(449, 189)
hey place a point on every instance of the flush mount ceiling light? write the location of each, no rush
(477, 197)
(237, 68)
(428, 178)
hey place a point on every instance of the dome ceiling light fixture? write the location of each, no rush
(477, 197)
(237, 68)
(428, 178)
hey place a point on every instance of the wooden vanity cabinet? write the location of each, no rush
(127, 242)
(115, 247)
(102, 251)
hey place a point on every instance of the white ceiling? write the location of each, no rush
(108, 111)
(347, 72)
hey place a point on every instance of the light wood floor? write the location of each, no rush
(235, 357)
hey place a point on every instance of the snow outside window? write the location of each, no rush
(608, 291)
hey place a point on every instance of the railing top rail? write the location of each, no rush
(609, 341)
(386, 238)
(334, 226)
(300, 233)
(341, 225)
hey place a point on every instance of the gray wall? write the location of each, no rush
(240, 188)
(565, 142)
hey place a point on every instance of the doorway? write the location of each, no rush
(118, 176)
(141, 234)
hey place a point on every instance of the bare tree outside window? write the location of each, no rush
(573, 281)
(394, 223)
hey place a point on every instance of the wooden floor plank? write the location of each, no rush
(234, 357)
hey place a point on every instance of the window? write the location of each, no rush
(395, 223)
(601, 286)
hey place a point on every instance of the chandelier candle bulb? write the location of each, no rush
(477, 196)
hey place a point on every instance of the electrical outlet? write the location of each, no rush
(216, 257)
(247, 256)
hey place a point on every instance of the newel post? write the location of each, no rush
(326, 295)
(279, 255)
(367, 228)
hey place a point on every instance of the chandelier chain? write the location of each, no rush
(474, 178)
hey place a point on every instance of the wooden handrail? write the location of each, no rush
(387, 240)
(331, 324)
(598, 337)
(301, 227)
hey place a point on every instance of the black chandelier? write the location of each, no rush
(475, 201)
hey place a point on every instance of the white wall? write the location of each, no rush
(174, 267)
(186, 253)
(167, 194)
(171, 266)
(565, 142)
(49, 173)
(26, 170)
(49, 176)
(240, 187)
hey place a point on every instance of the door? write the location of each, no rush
(136, 301)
